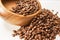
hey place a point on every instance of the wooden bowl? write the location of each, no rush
(14, 18)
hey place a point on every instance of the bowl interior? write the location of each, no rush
(8, 4)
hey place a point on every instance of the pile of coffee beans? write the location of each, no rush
(44, 26)
(26, 7)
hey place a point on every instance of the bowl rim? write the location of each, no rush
(22, 15)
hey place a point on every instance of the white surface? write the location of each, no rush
(6, 29)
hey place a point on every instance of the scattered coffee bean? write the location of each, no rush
(44, 26)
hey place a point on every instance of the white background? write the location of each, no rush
(6, 28)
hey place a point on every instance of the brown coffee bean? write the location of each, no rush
(44, 26)
(25, 7)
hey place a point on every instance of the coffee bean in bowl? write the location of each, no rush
(26, 7)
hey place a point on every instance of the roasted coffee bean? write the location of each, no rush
(26, 7)
(44, 26)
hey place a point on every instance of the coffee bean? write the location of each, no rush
(25, 7)
(44, 26)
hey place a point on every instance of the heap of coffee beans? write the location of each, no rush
(25, 7)
(44, 26)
